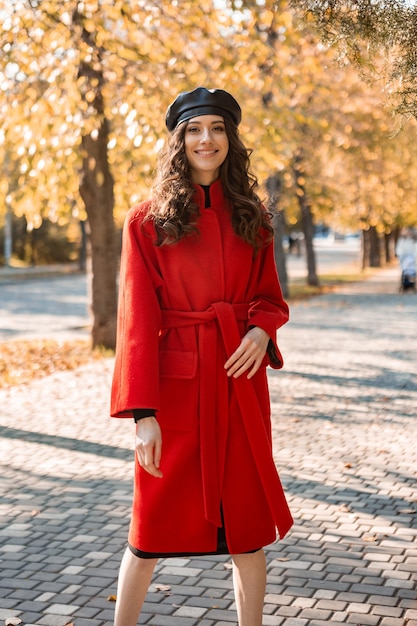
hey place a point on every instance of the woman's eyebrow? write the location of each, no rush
(219, 121)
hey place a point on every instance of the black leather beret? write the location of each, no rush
(202, 101)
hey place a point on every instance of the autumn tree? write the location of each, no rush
(389, 26)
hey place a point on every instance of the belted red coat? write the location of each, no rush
(183, 309)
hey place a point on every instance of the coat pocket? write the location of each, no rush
(177, 364)
(178, 389)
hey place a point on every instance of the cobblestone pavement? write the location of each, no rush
(344, 426)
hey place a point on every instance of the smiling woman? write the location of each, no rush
(200, 303)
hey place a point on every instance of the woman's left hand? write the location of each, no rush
(249, 354)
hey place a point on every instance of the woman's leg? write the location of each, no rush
(249, 581)
(134, 579)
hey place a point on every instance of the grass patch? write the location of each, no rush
(299, 290)
(23, 361)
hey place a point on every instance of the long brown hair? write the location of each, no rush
(173, 208)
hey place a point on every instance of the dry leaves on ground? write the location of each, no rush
(24, 361)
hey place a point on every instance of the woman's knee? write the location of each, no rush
(141, 563)
(248, 557)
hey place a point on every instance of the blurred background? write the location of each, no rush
(328, 97)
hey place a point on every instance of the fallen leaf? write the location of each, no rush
(345, 508)
(370, 537)
(112, 598)
(24, 360)
(348, 465)
(13, 621)
(227, 565)
(162, 587)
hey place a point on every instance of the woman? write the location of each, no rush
(199, 306)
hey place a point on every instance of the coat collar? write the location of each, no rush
(216, 194)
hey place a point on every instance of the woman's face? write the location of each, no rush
(206, 147)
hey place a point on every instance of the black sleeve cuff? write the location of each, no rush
(139, 414)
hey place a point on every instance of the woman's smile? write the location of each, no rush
(206, 152)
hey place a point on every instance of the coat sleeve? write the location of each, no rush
(136, 370)
(268, 309)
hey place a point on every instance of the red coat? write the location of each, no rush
(183, 310)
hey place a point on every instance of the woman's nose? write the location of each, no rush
(206, 134)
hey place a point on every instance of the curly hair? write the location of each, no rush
(173, 208)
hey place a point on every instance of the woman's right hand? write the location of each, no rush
(148, 445)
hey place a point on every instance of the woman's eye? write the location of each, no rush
(219, 129)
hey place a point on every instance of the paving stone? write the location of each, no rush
(53, 620)
(331, 605)
(315, 614)
(411, 613)
(387, 611)
(356, 607)
(406, 593)
(273, 620)
(278, 599)
(407, 603)
(363, 620)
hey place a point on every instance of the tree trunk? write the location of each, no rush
(96, 189)
(374, 248)
(307, 221)
(273, 187)
(8, 235)
(389, 246)
(365, 248)
(280, 260)
(82, 255)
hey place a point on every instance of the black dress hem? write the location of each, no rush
(168, 555)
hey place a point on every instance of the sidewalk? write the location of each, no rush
(345, 437)
(38, 271)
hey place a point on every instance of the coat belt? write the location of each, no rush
(214, 402)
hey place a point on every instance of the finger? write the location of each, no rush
(255, 368)
(251, 355)
(237, 354)
(146, 460)
(150, 465)
(241, 369)
(247, 350)
(237, 365)
(154, 471)
(157, 453)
